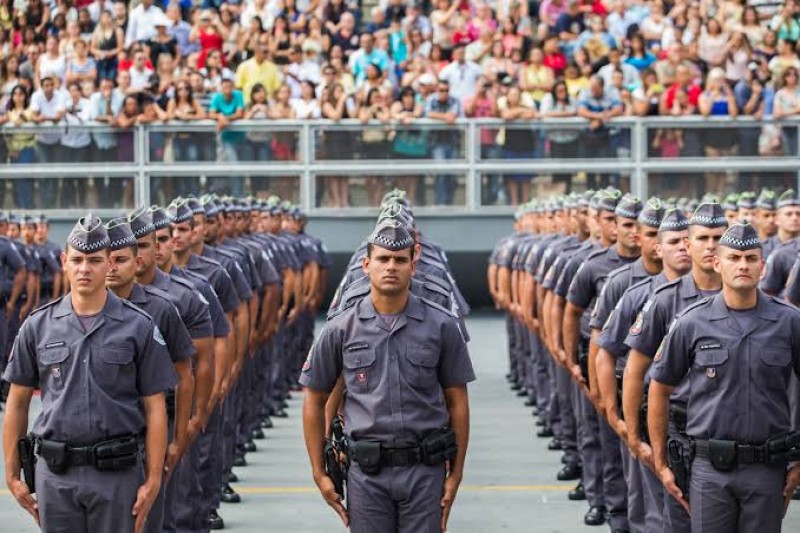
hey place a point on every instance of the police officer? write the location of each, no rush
(52, 281)
(730, 206)
(49, 265)
(706, 227)
(103, 370)
(764, 220)
(27, 300)
(733, 354)
(784, 244)
(12, 269)
(391, 345)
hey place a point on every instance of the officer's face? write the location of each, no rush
(211, 228)
(29, 233)
(703, 246)
(647, 240)
(123, 266)
(389, 271)
(146, 255)
(182, 235)
(13, 232)
(627, 233)
(86, 272)
(199, 233)
(592, 223)
(748, 214)
(739, 270)
(42, 232)
(672, 248)
(788, 219)
(732, 216)
(607, 223)
(765, 221)
(164, 247)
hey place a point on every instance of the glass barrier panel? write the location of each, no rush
(77, 192)
(243, 144)
(719, 140)
(334, 191)
(389, 141)
(721, 183)
(511, 189)
(67, 144)
(164, 188)
(540, 140)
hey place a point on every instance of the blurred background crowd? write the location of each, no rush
(390, 63)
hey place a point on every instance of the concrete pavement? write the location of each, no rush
(509, 483)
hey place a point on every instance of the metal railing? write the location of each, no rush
(458, 166)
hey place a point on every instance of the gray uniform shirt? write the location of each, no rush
(92, 382)
(394, 378)
(779, 264)
(737, 371)
(158, 305)
(192, 306)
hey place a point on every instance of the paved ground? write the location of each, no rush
(509, 485)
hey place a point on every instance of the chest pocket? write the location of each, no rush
(116, 371)
(775, 369)
(711, 368)
(424, 361)
(53, 366)
(360, 372)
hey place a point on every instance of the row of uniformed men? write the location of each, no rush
(393, 360)
(591, 284)
(184, 329)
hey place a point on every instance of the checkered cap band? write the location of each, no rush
(160, 218)
(709, 215)
(741, 237)
(89, 235)
(141, 222)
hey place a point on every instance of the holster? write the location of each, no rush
(644, 432)
(439, 446)
(680, 461)
(333, 468)
(27, 459)
(368, 456)
(583, 359)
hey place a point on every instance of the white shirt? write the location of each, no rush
(307, 70)
(140, 24)
(48, 109)
(267, 14)
(77, 115)
(463, 79)
(305, 110)
(140, 79)
(52, 67)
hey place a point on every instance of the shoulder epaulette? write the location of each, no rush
(667, 285)
(158, 293)
(139, 310)
(595, 253)
(48, 305)
(439, 307)
(694, 305)
(433, 287)
(619, 271)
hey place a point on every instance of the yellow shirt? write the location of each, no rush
(577, 86)
(250, 73)
(538, 76)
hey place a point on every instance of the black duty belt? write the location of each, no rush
(115, 454)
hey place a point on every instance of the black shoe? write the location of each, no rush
(267, 423)
(541, 423)
(530, 402)
(258, 434)
(516, 386)
(521, 393)
(280, 413)
(215, 521)
(618, 530)
(233, 478)
(796, 495)
(250, 446)
(577, 494)
(545, 433)
(239, 460)
(508, 376)
(569, 473)
(283, 405)
(555, 445)
(595, 516)
(229, 495)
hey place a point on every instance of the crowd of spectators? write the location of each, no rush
(75, 61)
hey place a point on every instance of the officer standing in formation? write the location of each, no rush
(395, 363)
(219, 330)
(591, 284)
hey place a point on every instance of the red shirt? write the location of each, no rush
(557, 62)
(126, 64)
(692, 92)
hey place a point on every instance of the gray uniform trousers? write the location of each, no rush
(588, 446)
(653, 499)
(633, 479)
(187, 506)
(512, 349)
(248, 406)
(615, 493)
(3, 336)
(749, 498)
(794, 400)
(568, 428)
(397, 499)
(554, 403)
(276, 365)
(156, 519)
(230, 410)
(542, 371)
(266, 400)
(86, 500)
(209, 461)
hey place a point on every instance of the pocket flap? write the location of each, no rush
(776, 356)
(358, 358)
(711, 357)
(53, 356)
(117, 355)
(423, 356)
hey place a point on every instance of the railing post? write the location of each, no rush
(141, 160)
(639, 154)
(307, 185)
(472, 186)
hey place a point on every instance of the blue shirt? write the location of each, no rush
(228, 108)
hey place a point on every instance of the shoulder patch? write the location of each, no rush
(636, 328)
(659, 351)
(157, 336)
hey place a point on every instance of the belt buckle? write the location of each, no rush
(401, 457)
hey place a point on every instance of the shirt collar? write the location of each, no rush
(111, 309)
